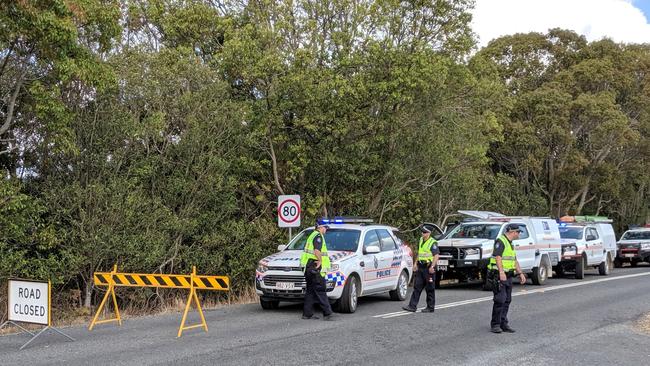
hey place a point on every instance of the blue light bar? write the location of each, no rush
(345, 220)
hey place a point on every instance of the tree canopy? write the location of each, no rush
(158, 134)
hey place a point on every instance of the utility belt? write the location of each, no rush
(425, 263)
(495, 272)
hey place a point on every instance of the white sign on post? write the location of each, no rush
(289, 211)
(29, 302)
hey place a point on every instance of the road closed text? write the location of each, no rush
(28, 301)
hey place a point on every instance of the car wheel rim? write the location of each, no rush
(402, 286)
(542, 273)
(353, 294)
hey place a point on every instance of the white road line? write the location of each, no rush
(518, 293)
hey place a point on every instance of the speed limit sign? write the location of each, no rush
(289, 211)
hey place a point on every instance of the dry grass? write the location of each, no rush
(83, 316)
(643, 324)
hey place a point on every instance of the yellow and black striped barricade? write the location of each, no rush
(192, 282)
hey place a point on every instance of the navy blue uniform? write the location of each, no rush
(315, 291)
(502, 292)
(425, 280)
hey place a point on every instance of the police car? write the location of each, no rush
(366, 259)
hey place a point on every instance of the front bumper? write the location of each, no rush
(460, 268)
(633, 254)
(285, 286)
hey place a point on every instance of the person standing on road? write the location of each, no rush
(315, 262)
(502, 267)
(425, 272)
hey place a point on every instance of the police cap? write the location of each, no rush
(513, 227)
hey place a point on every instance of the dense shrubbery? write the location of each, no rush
(158, 134)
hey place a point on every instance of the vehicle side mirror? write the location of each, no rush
(281, 247)
(372, 249)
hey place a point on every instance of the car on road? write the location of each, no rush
(366, 259)
(466, 250)
(633, 247)
(587, 241)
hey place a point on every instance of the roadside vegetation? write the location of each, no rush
(158, 134)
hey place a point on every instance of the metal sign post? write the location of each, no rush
(30, 302)
(289, 212)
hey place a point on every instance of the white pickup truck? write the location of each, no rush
(587, 241)
(466, 250)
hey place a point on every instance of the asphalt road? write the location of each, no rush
(565, 322)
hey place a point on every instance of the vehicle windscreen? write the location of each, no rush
(571, 233)
(475, 231)
(636, 235)
(336, 239)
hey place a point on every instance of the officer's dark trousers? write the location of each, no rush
(424, 280)
(315, 293)
(502, 298)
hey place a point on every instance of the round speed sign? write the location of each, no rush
(289, 211)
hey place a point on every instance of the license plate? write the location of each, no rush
(443, 262)
(442, 268)
(630, 255)
(285, 285)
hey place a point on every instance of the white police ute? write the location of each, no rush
(366, 259)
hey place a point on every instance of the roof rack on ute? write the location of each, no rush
(585, 219)
(346, 220)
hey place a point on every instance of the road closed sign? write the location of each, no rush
(29, 302)
(289, 210)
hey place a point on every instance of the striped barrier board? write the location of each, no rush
(218, 283)
(192, 282)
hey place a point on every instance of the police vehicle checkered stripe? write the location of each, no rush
(337, 277)
(221, 283)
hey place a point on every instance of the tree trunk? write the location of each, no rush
(88, 292)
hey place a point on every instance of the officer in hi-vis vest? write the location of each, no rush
(502, 267)
(425, 272)
(315, 262)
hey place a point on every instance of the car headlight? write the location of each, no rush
(645, 246)
(473, 251)
(261, 268)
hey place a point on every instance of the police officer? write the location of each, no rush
(502, 267)
(425, 272)
(315, 262)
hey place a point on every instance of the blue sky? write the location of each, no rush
(644, 5)
(625, 21)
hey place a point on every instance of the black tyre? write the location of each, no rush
(618, 263)
(634, 263)
(348, 301)
(269, 304)
(486, 285)
(399, 293)
(605, 266)
(580, 268)
(539, 275)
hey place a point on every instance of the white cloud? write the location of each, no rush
(619, 20)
